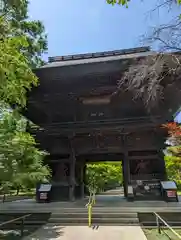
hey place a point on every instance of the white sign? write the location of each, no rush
(45, 187)
(130, 190)
(169, 185)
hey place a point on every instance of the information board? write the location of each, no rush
(45, 188)
(169, 185)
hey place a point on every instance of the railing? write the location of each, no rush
(22, 218)
(158, 219)
(89, 206)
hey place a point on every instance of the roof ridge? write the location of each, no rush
(98, 54)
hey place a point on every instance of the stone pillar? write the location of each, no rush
(72, 174)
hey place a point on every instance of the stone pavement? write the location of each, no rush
(50, 232)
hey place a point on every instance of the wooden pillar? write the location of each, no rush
(72, 173)
(162, 165)
(126, 167)
(160, 136)
(82, 185)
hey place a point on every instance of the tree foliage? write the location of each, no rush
(149, 78)
(159, 4)
(146, 78)
(16, 13)
(16, 75)
(173, 152)
(21, 162)
(22, 43)
(101, 176)
(120, 2)
(173, 166)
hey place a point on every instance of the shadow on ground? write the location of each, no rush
(44, 233)
(47, 232)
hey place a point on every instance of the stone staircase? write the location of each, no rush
(100, 216)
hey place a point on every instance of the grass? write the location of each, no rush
(12, 195)
(27, 192)
(22, 192)
(166, 234)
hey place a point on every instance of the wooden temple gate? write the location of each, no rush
(84, 120)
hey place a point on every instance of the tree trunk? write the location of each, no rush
(4, 197)
(17, 191)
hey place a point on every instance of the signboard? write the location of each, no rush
(45, 188)
(130, 190)
(43, 196)
(171, 194)
(169, 185)
(147, 187)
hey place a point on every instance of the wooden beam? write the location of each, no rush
(148, 157)
(62, 160)
(65, 95)
(87, 127)
(142, 148)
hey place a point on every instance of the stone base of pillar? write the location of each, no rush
(71, 193)
(82, 190)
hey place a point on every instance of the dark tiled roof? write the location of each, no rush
(98, 57)
(99, 54)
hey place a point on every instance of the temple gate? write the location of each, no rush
(83, 119)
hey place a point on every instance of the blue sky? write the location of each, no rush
(81, 26)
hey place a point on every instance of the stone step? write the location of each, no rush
(101, 210)
(118, 210)
(153, 223)
(6, 217)
(77, 221)
(84, 210)
(163, 227)
(94, 214)
(28, 222)
(30, 227)
(93, 224)
(27, 225)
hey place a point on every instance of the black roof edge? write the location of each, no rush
(98, 54)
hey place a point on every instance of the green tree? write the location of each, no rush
(173, 166)
(101, 176)
(16, 75)
(21, 162)
(22, 43)
(16, 13)
(173, 152)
